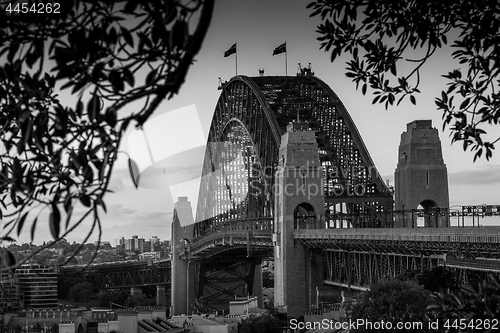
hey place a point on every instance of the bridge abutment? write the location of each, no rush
(161, 295)
(183, 271)
(257, 285)
(299, 204)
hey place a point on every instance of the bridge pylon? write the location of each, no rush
(299, 204)
(421, 177)
(183, 272)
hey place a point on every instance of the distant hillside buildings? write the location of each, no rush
(140, 244)
(34, 285)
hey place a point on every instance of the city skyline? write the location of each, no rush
(258, 28)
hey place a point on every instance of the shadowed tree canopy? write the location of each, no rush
(392, 301)
(262, 324)
(67, 75)
(80, 291)
(389, 42)
(475, 305)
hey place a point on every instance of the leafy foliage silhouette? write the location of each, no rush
(392, 301)
(477, 303)
(385, 37)
(57, 154)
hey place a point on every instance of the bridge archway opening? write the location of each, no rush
(304, 216)
(427, 213)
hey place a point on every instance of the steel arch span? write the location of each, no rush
(233, 226)
(237, 189)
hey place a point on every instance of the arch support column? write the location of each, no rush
(298, 205)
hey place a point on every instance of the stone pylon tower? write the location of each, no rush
(182, 286)
(299, 204)
(421, 177)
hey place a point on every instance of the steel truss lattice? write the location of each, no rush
(242, 154)
(362, 269)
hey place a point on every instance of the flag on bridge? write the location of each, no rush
(230, 51)
(280, 49)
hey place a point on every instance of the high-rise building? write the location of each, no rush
(129, 244)
(38, 285)
(10, 295)
(139, 244)
(147, 246)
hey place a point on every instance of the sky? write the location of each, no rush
(258, 27)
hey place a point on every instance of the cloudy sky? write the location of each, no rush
(258, 26)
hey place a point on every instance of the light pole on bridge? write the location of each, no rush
(458, 213)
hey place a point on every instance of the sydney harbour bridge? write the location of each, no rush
(287, 177)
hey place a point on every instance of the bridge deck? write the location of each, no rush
(472, 242)
(451, 234)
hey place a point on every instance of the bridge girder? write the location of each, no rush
(359, 270)
(125, 275)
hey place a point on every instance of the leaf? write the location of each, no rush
(104, 165)
(10, 260)
(93, 107)
(478, 154)
(101, 203)
(128, 77)
(55, 221)
(465, 103)
(130, 6)
(67, 204)
(26, 130)
(151, 77)
(16, 168)
(134, 172)
(33, 226)
(179, 34)
(413, 100)
(85, 200)
(7, 238)
(128, 37)
(79, 85)
(116, 81)
(124, 124)
(14, 47)
(393, 69)
(355, 53)
(21, 223)
(444, 97)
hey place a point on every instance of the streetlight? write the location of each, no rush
(482, 207)
(458, 213)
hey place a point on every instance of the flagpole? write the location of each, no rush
(286, 61)
(236, 58)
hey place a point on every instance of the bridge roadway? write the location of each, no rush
(469, 242)
(470, 248)
(123, 274)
